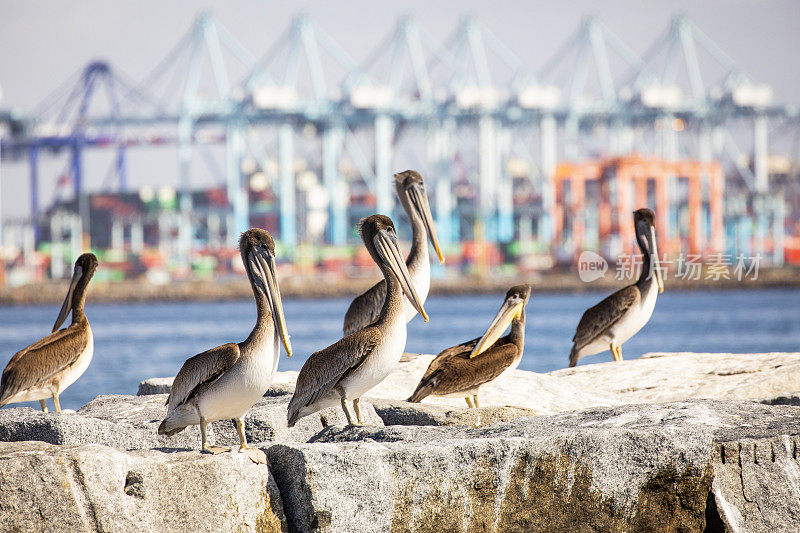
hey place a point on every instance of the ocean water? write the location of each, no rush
(136, 341)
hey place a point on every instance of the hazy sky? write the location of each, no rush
(44, 42)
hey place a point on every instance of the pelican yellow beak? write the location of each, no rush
(420, 202)
(263, 265)
(67, 306)
(511, 309)
(388, 249)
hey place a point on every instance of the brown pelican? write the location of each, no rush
(461, 370)
(350, 367)
(607, 325)
(224, 382)
(365, 308)
(47, 367)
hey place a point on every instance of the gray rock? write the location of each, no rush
(398, 413)
(652, 378)
(121, 422)
(155, 386)
(131, 423)
(619, 449)
(666, 377)
(90, 427)
(95, 488)
(280, 389)
(724, 421)
(622, 468)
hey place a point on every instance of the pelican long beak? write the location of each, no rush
(420, 202)
(263, 263)
(389, 251)
(511, 309)
(67, 306)
(656, 260)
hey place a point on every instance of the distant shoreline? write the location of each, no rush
(328, 286)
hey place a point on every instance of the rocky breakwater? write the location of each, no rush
(608, 447)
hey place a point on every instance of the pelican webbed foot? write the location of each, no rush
(255, 455)
(215, 450)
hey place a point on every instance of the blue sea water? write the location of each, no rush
(135, 341)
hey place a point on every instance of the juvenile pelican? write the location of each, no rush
(365, 308)
(607, 325)
(461, 370)
(350, 367)
(47, 367)
(226, 381)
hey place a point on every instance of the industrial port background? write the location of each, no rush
(156, 133)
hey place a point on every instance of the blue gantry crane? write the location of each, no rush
(466, 106)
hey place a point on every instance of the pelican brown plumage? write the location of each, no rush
(350, 367)
(47, 367)
(226, 381)
(364, 309)
(607, 325)
(461, 370)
